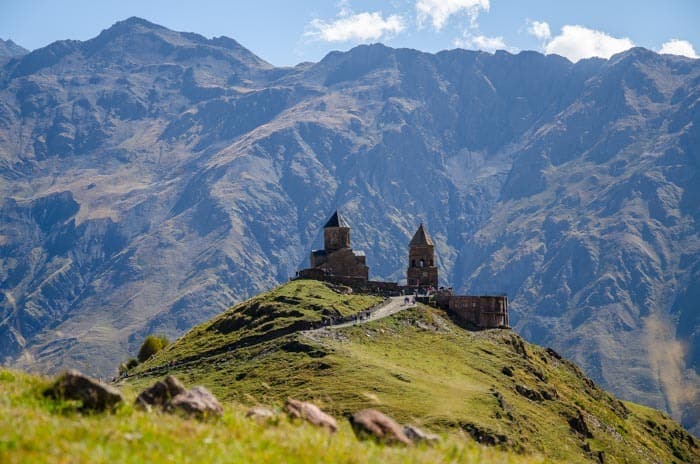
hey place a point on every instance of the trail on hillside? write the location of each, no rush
(391, 306)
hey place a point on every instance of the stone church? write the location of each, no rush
(338, 263)
(337, 258)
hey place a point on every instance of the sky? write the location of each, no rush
(289, 32)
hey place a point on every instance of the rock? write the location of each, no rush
(507, 371)
(370, 423)
(94, 395)
(311, 413)
(529, 393)
(198, 402)
(578, 424)
(417, 435)
(553, 353)
(484, 436)
(260, 414)
(160, 393)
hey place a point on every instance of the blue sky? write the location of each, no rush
(288, 32)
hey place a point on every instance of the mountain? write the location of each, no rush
(10, 49)
(419, 367)
(151, 178)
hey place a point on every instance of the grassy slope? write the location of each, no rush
(286, 309)
(418, 367)
(37, 430)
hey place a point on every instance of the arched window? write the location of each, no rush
(422, 263)
(431, 263)
(413, 263)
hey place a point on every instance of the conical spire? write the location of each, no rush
(336, 221)
(421, 237)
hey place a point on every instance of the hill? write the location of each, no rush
(419, 367)
(151, 178)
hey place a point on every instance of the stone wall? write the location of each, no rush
(482, 312)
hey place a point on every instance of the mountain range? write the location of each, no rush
(151, 178)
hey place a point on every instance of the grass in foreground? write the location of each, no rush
(36, 430)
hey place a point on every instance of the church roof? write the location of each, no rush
(336, 221)
(421, 237)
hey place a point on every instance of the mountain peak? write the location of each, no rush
(135, 22)
(9, 48)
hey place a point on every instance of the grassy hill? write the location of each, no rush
(418, 367)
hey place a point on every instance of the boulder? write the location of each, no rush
(311, 413)
(93, 394)
(160, 393)
(578, 424)
(198, 402)
(372, 424)
(417, 435)
(260, 414)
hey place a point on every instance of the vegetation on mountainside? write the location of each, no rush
(421, 368)
(39, 430)
(151, 345)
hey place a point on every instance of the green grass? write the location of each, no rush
(419, 367)
(286, 309)
(36, 430)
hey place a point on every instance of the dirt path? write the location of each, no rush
(393, 306)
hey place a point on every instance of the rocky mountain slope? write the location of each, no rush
(150, 178)
(9, 49)
(419, 367)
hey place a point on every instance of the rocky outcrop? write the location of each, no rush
(260, 414)
(578, 424)
(417, 435)
(170, 395)
(197, 402)
(92, 394)
(310, 413)
(160, 394)
(372, 424)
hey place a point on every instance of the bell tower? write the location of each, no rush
(422, 269)
(336, 233)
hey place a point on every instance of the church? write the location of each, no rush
(338, 263)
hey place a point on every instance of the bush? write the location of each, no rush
(151, 345)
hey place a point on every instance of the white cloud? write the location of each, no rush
(481, 42)
(360, 27)
(678, 47)
(539, 29)
(578, 42)
(439, 11)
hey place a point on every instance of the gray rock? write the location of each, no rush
(417, 435)
(372, 424)
(93, 394)
(198, 402)
(160, 393)
(311, 413)
(260, 414)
